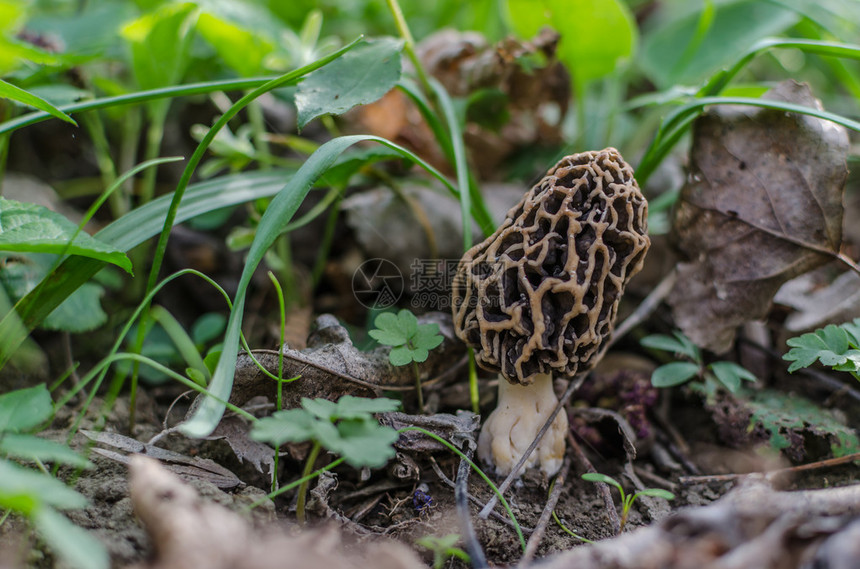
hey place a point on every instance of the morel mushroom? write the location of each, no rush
(539, 296)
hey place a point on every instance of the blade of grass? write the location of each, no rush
(9, 91)
(676, 124)
(271, 225)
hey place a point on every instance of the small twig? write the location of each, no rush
(646, 307)
(602, 487)
(773, 473)
(654, 479)
(515, 472)
(495, 515)
(461, 493)
(370, 384)
(540, 527)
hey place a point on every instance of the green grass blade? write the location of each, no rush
(271, 225)
(9, 91)
(461, 167)
(676, 124)
(137, 98)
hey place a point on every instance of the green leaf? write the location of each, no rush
(349, 407)
(74, 545)
(30, 447)
(388, 337)
(159, 43)
(366, 443)
(657, 493)
(828, 345)
(674, 373)
(597, 477)
(80, 312)
(321, 408)
(28, 227)
(663, 342)
(22, 485)
(361, 76)
(730, 374)
(291, 425)
(208, 327)
(243, 49)
(427, 336)
(25, 409)
(734, 26)
(400, 355)
(9, 91)
(595, 36)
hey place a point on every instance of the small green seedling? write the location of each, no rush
(837, 347)
(627, 499)
(411, 342)
(725, 373)
(347, 428)
(443, 548)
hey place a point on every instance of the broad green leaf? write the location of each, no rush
(427, 336)
(388, 337)
(736, 24)
(17, 481)
(9, 91)
(30, 447)
(408, 323)
(159, 43)
(350, 407)
(420, 354)
(674, 373)
(74, 545)
(366, 443)
(208, 327)
(663, 342)
(400, 355)
(80, 312)
(24, 409)
(595, 35)
(727, 374)
(291, 425)
(361, 76)
(242, 49)
(27, 227)
(320, 408)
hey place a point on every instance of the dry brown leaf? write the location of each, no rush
(762, 205)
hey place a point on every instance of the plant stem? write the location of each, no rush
(474, 396)
(409, 45)
(303, 489)
(418, 387)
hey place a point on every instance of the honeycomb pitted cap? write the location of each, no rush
(540, 294)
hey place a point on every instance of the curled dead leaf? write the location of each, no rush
(763, 204)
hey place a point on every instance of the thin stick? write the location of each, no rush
(571, 388)
(540, 527)
(602, 487)
(849, 458)
(644, 310)
(461, 493)
(495, 515)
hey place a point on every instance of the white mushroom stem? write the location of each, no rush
(509, 430)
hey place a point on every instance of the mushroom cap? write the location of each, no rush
(540, 294)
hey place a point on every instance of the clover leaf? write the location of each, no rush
(834, 346)
(346, 427)
(410, 341)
